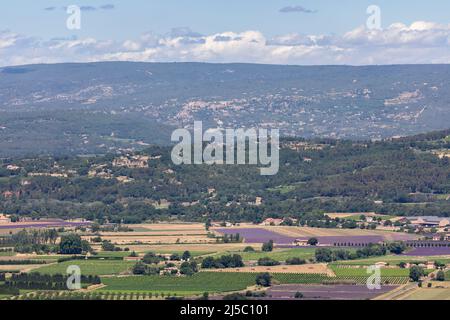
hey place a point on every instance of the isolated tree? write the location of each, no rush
(264, 279)
(440, 276)
(139, 268)
(186, 256)
(397, 247)
(268, 246)
(208, 224)
(416, 273)
(313, 241)
(70, 244)
(324, 255)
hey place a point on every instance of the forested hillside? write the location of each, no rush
(98, 108)
(408, 176)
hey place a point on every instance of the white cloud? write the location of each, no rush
(420, 42)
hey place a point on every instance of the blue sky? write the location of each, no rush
(26, 26)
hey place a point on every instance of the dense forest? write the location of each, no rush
(405, 176)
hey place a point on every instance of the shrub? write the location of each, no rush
(268, 262)
(295, 261)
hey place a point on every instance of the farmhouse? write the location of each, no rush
(428, 221)
(301, 243)
(133, 162)
(272, 222)
(13, 167)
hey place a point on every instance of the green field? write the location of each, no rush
(359, 275)
(112, 254)
(7, 254)
(341, 271)
(198, 283)
(430, 294)
(391, 259)
(90, 267)
(277, 254)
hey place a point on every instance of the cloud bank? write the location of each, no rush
(420, 42)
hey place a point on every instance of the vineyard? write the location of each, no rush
(202, 282)
(394, 276)
(362, 272)
(66, 295)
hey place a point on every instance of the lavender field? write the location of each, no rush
(43, 224)
(259, 235)
(428, 251)
(326, 292)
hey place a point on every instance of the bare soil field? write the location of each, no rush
(428, 294)
(170, 226)
(328, 292)
(158, 239)
(304, 269)
(21, 268)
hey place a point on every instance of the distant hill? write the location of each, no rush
(105, 107)
(401, 177)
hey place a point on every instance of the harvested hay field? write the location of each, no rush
(169, 227)
(428, 294)
(155, 239)
(284, 235)
(20, 268)
(207, 248)
(302, 269)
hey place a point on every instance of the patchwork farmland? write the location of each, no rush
(172, 263)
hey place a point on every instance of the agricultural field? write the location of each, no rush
(317, 280)
(394, 276)
(300, 269)
(89, 267)
(198, 248)
(326, 292)
(349, 271)
(7, 254)
(201, 282)
(154, 234)
(196, 284)
(429, 251)
(277, 254)
(429, 294)
(393, 260)
(283, 235)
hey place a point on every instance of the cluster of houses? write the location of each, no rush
(4, 219)
(427, 221)
(169, 268)
(132, 162)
